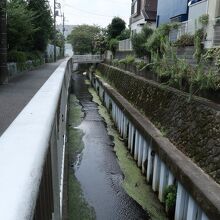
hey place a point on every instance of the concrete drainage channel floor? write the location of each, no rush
(96, 167)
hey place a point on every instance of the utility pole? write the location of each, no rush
(3, 43)
(54, 42)
(63, 35)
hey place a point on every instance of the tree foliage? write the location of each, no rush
(156, 40)
(101, 42)
(30, 25)
(116, 27)
(60, 39)
(113, 45)
(83, 38)
(125, 34)
(21, 27)
(44, 21)
(140, 39)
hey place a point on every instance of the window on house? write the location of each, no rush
(135, 7)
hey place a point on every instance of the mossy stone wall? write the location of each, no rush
(193, 126)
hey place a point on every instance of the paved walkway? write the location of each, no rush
(18, 92)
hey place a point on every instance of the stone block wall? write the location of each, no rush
(193, 126)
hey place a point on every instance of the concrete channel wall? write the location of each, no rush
(192, 126)
(198, 196)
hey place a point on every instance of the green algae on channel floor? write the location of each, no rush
(134, 182)
(78, 208)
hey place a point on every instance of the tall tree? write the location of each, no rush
(3, 42)
(101, 41)
(83, 38)
(116, 27)
(20, 25)
(125, 34)
(139, 41)
(44, 21)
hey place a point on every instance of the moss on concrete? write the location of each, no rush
(134, 182)
(78, 208)
(87, 82)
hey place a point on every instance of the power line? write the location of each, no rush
(117, 2)
(112, 1)
(87, 12)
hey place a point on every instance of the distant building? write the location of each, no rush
(142, 12)
(68, 50)
(67, 29)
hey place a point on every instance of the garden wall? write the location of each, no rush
(122, 54)
(15, 69)
(193, 126)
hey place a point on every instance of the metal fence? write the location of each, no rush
(32, 153)
(88, 58)
(212, 29)
(125, 45)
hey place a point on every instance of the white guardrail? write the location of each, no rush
(32, 154)
(88, 58)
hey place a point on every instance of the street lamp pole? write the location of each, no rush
(3, 43)
(63, 35)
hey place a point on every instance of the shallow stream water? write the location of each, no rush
(96, 168)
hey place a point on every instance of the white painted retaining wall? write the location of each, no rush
(125, 45)
(24, 147)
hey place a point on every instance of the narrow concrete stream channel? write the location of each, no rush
(104, 182)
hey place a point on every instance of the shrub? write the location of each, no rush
(200, 34)
(212, 55)
(17, 56)
(170, 196)
(174, 25)
(185, 40)
(205, 81)
(125, 34)
(115, 62)
(155, 41)
(130, 59)
(198, 49)
(140, 65)
(204, 19)
(209, 55)
(113, 45)
(36, 55)
(140, 39)
(127, 60)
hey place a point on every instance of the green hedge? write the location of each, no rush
(21, 59)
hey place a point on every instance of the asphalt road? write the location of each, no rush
(18, 92)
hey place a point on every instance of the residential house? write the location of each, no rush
(197, 8)
(172, 10)
(142, 12)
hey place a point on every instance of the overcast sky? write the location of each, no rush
(99, 12)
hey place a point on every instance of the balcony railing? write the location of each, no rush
(32, 153)
(212, 30)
